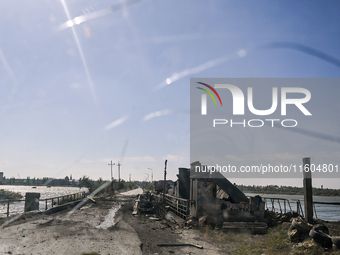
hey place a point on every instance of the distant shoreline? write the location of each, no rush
(36, 185)
(287, 190)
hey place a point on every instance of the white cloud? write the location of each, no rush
(156, 114)
(116, 122)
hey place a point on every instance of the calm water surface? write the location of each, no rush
(323, 212)
(44, 191)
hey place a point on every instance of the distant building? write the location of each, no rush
(1, 176)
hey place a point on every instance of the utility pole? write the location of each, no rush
(111, 164)
(166, 161)
(151, 174)
(111, 174)
(119, 171)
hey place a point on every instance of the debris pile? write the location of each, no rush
(148, 204)
(302, 232)
(145, 203)
(274, 218)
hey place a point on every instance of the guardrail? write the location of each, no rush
(283, 205)
(49, 202)
(181, 206)
(178, 205)
(326, 205)
(8, 202)
(63, 199)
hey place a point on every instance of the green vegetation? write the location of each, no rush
(39, 181)
(286, 190)
(148, 186)
(4, 194)
(274, 242)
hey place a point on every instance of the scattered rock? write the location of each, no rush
(202, 220)
(154, 218)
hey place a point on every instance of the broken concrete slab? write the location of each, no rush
(235, 195)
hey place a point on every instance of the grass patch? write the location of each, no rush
(274, 242)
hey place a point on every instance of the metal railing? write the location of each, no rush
(55, 201)
(283, 205)
(326, 204)
(179, 206)
(8, 203)
(49, 202)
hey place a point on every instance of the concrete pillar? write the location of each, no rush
(308, 192)
(32, 201)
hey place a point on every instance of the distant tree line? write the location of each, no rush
(286, 190)
(39, 181)
(92, 185)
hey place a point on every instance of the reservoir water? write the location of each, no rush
(323, 212)
(45, 192)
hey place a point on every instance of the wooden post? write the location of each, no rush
(7, 208)
(308, 192)
(187, 209)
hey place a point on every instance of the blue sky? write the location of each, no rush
(72, 99)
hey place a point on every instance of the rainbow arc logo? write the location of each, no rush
(213, 90)
(204, 97)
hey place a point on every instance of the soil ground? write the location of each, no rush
(88, 230)
(169, 231)
(80, 232)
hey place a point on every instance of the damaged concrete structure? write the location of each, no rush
(213, 196)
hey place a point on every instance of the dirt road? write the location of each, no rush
(106, 227)
(86, 230)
